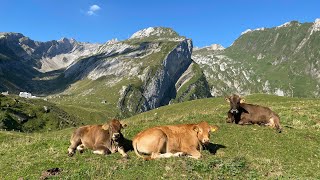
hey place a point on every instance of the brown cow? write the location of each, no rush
(174, 140)
(242, 113)
(102, 139)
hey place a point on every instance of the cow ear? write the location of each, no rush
(242, 100)
(227, 99)
(124, 125)
(105, 126)
(214, 128)
(196, 128)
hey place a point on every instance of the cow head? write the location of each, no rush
(114, 127)
(203, 130)
(235, 102)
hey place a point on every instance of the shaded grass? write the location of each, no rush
(240, 152)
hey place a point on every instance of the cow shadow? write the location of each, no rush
(127, 145)
(213, 148)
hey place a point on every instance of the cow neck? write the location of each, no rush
(242, 108)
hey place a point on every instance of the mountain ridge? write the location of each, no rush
(279, 60)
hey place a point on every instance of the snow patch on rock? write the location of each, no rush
(287, 24)
(316, 25)
(250, 30)
(246, 31)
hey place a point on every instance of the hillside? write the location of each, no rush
(237, 152)
(282, 60)
(29, 115)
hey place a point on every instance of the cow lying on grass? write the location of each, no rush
(242, 113)
(102, 139)
(174, 140)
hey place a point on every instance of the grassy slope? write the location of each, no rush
(199, 90)
(242, 152)
(279, 45)
(28, 115)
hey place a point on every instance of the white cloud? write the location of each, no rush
(93, 9)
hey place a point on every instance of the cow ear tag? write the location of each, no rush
(242, 101)
(214, 128)
(105, 126)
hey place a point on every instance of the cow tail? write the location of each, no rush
(145, 157)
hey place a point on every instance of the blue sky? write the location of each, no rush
(204, 21)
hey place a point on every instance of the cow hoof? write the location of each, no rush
(81, 151)
(126, 157)
(70, 154)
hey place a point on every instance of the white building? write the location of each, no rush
(5, 93)
(26, 95)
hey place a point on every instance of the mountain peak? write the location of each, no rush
(154, 31)
(112, 41)
(67, 40)
(11, 35)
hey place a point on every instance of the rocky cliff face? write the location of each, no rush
(152, 67)
(160, 89)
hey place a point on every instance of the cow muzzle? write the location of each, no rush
(205, 141)
(115, 136)
(234, 111)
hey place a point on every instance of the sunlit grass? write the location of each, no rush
(239, 152)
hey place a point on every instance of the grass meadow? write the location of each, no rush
(236, 152)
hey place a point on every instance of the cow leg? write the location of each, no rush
(80, 148)
(159, 155)
(194, 154)
(274, 122)
(101, 149)
(244, 120)
(230, 118)
(75, 142)
(122, 152)
(179, 154)
(167, 155)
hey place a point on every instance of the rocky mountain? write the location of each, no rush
(283, 60)
(46, 56)
(130, 76)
